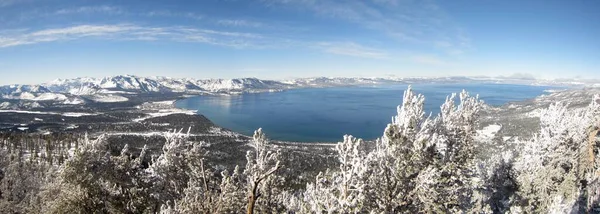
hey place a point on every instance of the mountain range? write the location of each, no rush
(112, 89)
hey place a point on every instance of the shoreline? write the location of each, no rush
(507, 105)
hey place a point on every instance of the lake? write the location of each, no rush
(326, 114)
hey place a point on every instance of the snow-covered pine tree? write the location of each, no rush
(398, 157)
(453, 132)
(256, 189)
(422, 164)
(340, 190)
(557, 169)
(93, 180)
(169, 172)
(261, 166)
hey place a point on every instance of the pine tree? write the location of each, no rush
(341, 190)
(261, 165)
(556, 168)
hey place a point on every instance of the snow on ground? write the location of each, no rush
(158, 133)
(513, 106)
(104, 91)
(72, 126)
(77, 114)
(161, 108)
(108, 98)
(50, 96)
(66, 114)
(38, 97)
(534, 113)
(222, 132)
(74, 101)
(165, 112)
(168, 102)
(23, 128)
(157, 105)
(4, 105)
(554, 90)
(487, 133)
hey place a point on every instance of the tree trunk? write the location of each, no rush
(252, 199)
(251, 202)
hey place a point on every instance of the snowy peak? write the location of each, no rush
(219, 85)
(29, 92)
(14, 89)
(335, 81)
(109, 89)
(135, 84)
(130, 83)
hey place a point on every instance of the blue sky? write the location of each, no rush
(41, 40)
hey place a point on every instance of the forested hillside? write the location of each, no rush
(420, 164)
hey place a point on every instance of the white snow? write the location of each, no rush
(487, 133)
(158, 133)
(104, 91)
(72, 126)
(66, 114)
(168, 102)
(38, 119)
(50, 96)
(4, 105)
(165, 112)
(77, 114)
(534, 113)
(23, 128)
(513, 106)
(26, 96)
(108, 98)
(74, 101)
(553, 90)
(35, 97)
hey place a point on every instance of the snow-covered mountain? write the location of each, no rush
(239, 85)
(135, 84)
(29, 92)
(336, 81)
(117, 88)
(14, 89)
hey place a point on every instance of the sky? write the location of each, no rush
(42, 40)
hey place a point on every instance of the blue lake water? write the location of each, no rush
(326, 114)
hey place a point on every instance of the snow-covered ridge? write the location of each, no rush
(78, 90)
(130, 83)
(115, 88)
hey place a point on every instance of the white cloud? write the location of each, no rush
(417, 22)
(168, 13)
(352, 49)
(239, 23)
(84, 30)
(233, 39)
(90, 9)
(6, 3)
(134, 32)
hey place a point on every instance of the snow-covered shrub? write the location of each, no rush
(557, 169)
(93, 180)
(419, 165)
(21, 181)
(340, 190)
(262, 179)
(254, 189)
